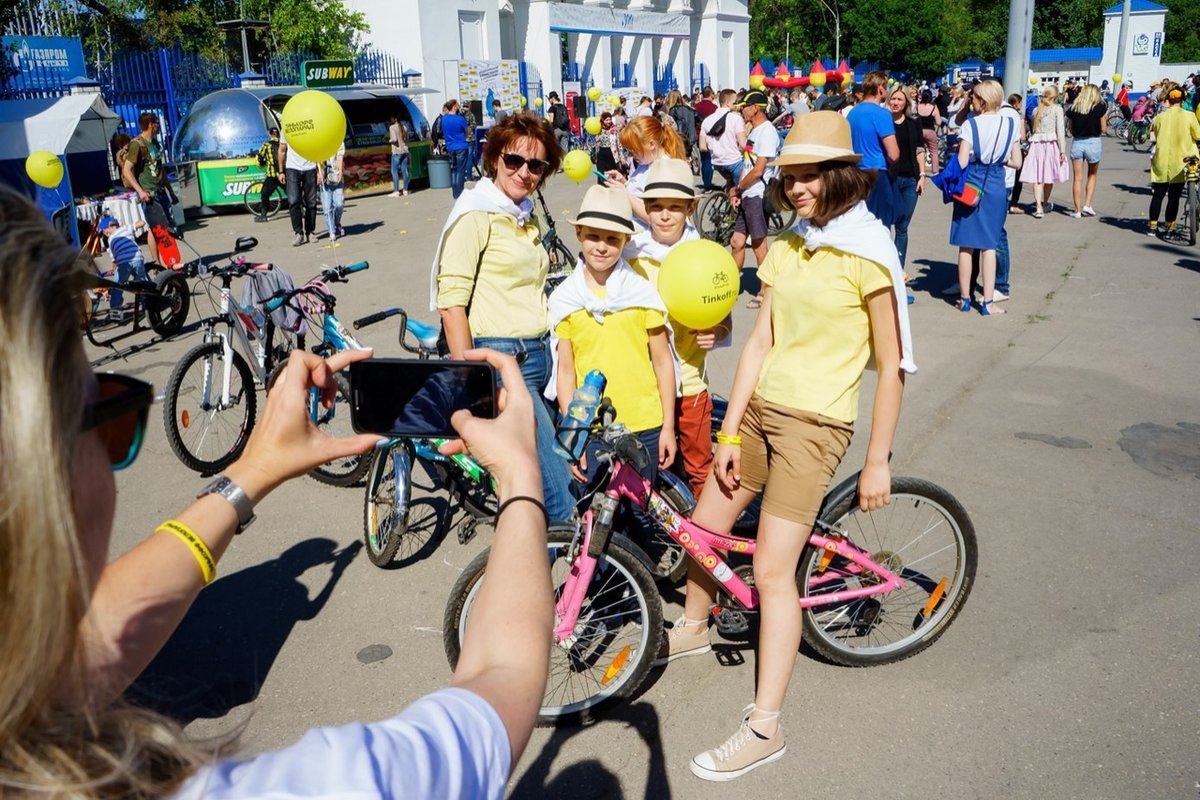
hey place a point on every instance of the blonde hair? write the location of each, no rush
(56, 742)
(1089, 98)
(674, 98)
(1045, 105)
(991, 93)
(641, 132)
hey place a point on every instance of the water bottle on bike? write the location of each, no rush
(576, 424)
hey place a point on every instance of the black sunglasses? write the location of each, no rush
(119, 415)
(536, 165)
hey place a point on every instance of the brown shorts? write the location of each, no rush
(791, 456)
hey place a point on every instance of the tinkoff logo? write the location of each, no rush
(720, 279)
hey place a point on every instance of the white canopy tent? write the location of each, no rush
(80, 123)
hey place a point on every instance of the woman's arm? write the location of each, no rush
(875, 480)
(663, 362)
(964, 152)
(727, 462)
(1060, 132)
(458, 330)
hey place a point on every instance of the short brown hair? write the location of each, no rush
(726, 94)
(874, 82)
(520, 126)
(842, 186)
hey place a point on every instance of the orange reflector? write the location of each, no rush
(614, 668)
(934, 598)
(185, 418)
(827, 556)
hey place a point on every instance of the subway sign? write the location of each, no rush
(323, 74)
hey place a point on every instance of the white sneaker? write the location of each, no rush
(740, 753)
(406, 192)
(998, 296)
(1088, 211)
(395, 194)
(1076, 215)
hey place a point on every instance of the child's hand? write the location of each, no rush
(706, 339)
(615, 176)
(727, 465)
(666, 448)
(579, 467)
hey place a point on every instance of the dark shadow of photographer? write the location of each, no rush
(221, 653)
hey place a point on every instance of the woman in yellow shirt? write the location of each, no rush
(1174, 133)
(490, 276)
(830, 292)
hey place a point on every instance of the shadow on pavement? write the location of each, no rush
(221, 653)
(933, 277)
(1124, 187)
(1126, 224)
(589, 778)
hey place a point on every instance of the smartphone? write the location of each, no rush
(407, 397)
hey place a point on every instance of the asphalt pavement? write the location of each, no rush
(1069, 429)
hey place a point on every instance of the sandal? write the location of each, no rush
(986, 310)
(1039, 214)
(964, 304)
(754, 302)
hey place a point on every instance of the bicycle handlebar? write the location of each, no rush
(379, 316)
(339, 273)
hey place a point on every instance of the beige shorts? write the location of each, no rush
(790, 456)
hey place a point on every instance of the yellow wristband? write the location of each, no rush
(724, 438)
(204, 556)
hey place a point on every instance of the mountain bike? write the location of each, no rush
(876, 587)
(261, 206)
(716, 217)
(562, 260)
(1137, 135)
(1185, 229)
(210, 399)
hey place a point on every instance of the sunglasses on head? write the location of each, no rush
(119, 416)
(536, 165)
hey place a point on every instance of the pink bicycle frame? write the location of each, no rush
(700, 544)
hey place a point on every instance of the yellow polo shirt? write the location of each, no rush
(692, 357)
(620, 348)
(509, 298)
(1175, 135)
(821, 328)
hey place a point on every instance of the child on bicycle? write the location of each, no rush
(607, 317)
(833, 295)
(127, 260)
(670, 198)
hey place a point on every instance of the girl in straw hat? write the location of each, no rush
(832, 296)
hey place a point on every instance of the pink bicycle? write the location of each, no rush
(876, 587)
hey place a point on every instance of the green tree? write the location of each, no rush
(1181, 32)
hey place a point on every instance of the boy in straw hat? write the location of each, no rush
(670, 198)
(832, 298)
(607, 317)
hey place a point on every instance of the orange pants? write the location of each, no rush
(693, 426)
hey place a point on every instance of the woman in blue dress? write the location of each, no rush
(986, 146)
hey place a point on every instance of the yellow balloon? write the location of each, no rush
(314, 124)
(1117, 79)
(592, 125)
(594, 94)
(698, 283)
(524, 102)
(44, 168)
(614, 100)
(577, 165)
(537, 101)
(756, 82)
(1033, 81)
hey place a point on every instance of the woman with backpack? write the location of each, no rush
(687, 122)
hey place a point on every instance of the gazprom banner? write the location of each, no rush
(44, 62)
(573, 18)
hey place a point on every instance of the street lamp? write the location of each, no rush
(837, 28)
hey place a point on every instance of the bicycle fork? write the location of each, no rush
(597, 525)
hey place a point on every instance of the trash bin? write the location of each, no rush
(439, 172)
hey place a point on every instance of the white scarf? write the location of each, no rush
(858, 232)
(484, 196)
(643, 245)
(625, 289)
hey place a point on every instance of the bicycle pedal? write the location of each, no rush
(731, 622)
(466, 531)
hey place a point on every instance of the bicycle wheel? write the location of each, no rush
(926, 538)
(715, 218)
(780, 221)
(616, 638)
(257, 205)
(168, 310)
(334, 421)
(1192, 214)
(694, 158)
(1139, 138)
(385, 507)
(204, 434)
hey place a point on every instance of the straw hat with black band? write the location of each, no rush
(816, 137)
(606, 209)
(670, 178)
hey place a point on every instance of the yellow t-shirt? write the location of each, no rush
(1175, 135)
(620, 348)
(509, 297)
(693, 367)
(821, 328)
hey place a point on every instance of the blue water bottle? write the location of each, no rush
(573, 432)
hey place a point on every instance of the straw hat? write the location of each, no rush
(607, 209)
(670, 177)
(816, 137)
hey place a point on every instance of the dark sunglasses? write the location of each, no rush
(119, 415)
(536, 165)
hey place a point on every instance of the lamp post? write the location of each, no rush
(837, 28)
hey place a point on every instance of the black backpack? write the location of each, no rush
(685, 121)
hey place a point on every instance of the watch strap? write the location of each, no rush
(237, 498)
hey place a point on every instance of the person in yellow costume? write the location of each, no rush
(1174, 133)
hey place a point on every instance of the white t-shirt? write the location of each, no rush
(1010, 175)
(724, 149)
(992, 144)
(450, 744)
(762, 141)
(294, 160)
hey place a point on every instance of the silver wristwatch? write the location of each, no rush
(236, 497)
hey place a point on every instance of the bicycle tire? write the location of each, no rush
(167, 311)
(385, 510)
(622, 595)
(1139, 139)
(188, 438)
(1193, 211)
(715, 218)
(252, 198)
(853, 633)
(780, 221)
(335, 421)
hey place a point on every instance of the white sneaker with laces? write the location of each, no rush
(742, 752)
(1088, 211)
(1076, 215)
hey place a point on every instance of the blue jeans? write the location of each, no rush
(399, 167)
(906, 191)
(333, 200)
(1002, 256)
(556, 475)
(459, 161)
(706, 169)
(136, 269)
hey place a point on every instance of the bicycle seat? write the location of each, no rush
(427, 335)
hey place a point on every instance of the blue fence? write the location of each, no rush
(664, 80)
(622, 76)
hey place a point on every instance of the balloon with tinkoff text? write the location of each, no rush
(698, 282)
(44, 168)
(314, 125)
(577, 165)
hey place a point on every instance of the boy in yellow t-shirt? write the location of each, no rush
(670, 202)
(606, 317)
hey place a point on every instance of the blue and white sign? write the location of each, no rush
(1158, 44)
(44, 61)
(1141, 44)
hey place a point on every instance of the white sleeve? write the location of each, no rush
(449, 744)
